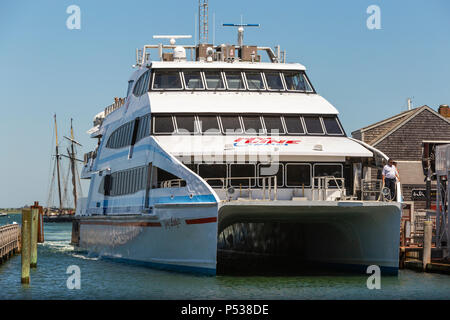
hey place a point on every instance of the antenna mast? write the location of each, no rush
(203, 21)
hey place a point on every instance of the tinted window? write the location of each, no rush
(254, 80)
(274, 125)
(313, 125)
(209, 124)
(330, 170)
(167, 79)
(231, 124)
(121, 137)
(143, 127)
(234, 80)
(130, 85)
(332, 125)
(252, 124)
(193, 80)
(164, 176)
(274, 81)
(213, 171)
(163, 124)
(242, 170)
(294, 125)
(185, 124)
(295, 81)
(272, 169)
(298, 175)
(214, 80)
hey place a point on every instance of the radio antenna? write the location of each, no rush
(203, 21)
(241, 30)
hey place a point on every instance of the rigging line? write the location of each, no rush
(50, 178)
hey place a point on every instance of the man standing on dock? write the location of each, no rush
(390, 174)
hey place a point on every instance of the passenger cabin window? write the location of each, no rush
(186, 124)
(193, 80)
(294, 125)
(274, 81)
(298, 175)
(209, 124)
(234, 80)
(313, 125)
(214, 80)
(252, 124)
(246, 172)
(163, 177)
(268, 170)
(208, 171)
(142, 84)
(167, 79)
(324, 170)
(231, 124)
(254, 80)
(332, 125)
(143, 127)
(274, 126)
(163, 124)
(296, 81)
(121, 137)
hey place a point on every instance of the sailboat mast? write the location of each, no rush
(57, 166)
(72, 163)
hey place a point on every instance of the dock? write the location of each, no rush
(9, 241)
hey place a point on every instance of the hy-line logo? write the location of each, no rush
(242, 142)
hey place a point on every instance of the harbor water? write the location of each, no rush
(108, 279)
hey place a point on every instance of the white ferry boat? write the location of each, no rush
(223, 150)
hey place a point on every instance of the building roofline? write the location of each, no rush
(401, 124)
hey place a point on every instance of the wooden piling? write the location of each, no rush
(25, 242)
(34, 237)
(427, 234)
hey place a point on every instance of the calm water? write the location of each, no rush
(105, 279)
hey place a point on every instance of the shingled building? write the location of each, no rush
(401, 137)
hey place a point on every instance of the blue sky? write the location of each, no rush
(47, 68)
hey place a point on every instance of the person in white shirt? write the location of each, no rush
(390, 174)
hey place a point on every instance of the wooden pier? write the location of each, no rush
(9, 241)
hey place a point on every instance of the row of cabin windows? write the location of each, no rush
(249, 124)
(133, 131)
(129, 133)
(252, 80)
(133, 180)
(290, 175)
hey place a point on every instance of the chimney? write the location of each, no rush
(444, 111)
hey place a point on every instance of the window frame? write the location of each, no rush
(204, 71)
(226, 80)
(196, 126)
(298, 164)
(306, 128)
(329, 164)
(257, 133)
(300, 118)
(240, 123)
(252, 177)
(303, 75)
(201, 79)
(281, 78)
(167, 89)
(154, 116)
(282, 124)
(338, 122)
(262, 80)
(258, 171)
(219, 124)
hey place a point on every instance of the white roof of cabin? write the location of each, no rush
(239, 102)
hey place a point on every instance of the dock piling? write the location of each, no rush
(427, 235)
(25, 243)
(34, 236)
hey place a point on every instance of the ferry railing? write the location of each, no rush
(174, 183)
(118, 102)
(323, 186)
(269, 186)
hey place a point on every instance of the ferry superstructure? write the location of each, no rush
(225, 154)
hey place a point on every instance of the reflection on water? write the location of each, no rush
(106, 279)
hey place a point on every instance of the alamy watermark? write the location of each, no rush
(74, 20)
(74, 280)
(374, 281)
(374, 20)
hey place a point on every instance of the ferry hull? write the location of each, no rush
(339, 235)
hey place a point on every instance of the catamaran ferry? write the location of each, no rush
(219, 150)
